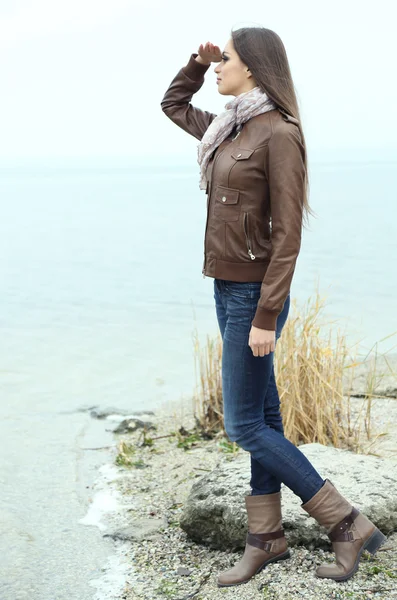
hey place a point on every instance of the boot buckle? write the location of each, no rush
(341, 533)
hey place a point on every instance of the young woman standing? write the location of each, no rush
(253, 167)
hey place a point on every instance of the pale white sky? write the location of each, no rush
(85, 78)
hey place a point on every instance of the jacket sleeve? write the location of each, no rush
(286, 178)
(176, 101)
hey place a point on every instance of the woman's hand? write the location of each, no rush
(261, 341)
(209, 53)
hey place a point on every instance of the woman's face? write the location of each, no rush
(234, 76)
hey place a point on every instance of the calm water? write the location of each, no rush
(100, 294)
(101, 284)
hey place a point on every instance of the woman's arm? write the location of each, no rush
(286, 173)
(176, 101)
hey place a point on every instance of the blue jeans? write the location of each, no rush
(251, 404)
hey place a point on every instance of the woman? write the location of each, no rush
(253, 167)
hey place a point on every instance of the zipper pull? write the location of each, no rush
(251, 255)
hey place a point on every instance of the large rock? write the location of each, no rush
(214, 513)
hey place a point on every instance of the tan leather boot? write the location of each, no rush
(349, 531)
(265, 539)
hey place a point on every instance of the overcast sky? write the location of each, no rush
(85, 78)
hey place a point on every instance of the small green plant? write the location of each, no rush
(125, 454)
(167, 588)
(147, 440)
(375, 569)
(270, 594)
(138, 464)
(121, 461)
(186, 439)
(173, 523)
(228, 447)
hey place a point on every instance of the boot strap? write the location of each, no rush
(340, 532)
(260, 540)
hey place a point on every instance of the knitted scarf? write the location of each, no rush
(238, 111)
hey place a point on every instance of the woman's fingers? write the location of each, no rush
(211, 49)
(262, 349)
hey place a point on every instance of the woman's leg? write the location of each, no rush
(244, 377)
(263, 482)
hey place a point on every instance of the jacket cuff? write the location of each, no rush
(195, 70)
(265, 319)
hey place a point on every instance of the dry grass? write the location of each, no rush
(208, 401)
(314, 372)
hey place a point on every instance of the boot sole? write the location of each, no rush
(372, 545)
(282, 556)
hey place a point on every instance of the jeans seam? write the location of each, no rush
(286, 457)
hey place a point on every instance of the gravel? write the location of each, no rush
(167, 564)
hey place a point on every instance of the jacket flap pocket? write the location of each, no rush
(226, 195)
(241, 153)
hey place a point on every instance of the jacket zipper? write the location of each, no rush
(209, 205)
(247, 238)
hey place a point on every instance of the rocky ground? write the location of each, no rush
(165, 563)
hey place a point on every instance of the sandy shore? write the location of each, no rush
(167, 564)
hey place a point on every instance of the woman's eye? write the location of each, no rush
(224, 58)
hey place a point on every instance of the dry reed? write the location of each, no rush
(314, 374)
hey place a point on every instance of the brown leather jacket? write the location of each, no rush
(255, 195)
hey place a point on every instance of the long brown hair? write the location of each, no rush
(264, 54)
